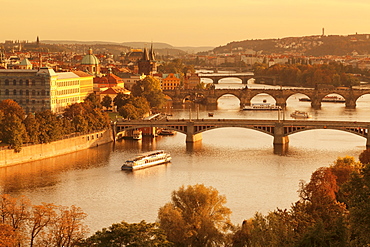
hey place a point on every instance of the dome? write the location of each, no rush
(90, 59)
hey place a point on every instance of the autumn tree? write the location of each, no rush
(196, 216)
(365, 156)
(357, 190)
(121, 99)
(125, 234)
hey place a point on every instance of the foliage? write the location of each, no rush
(39, 225)
(365, 156)
(150, 89)
(107, 101)
(357, 191)
(121, 99)
(196, 216)
(319, 218)
(307, 75)
(125, 234)
(134, 107)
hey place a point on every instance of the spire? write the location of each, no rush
(151, 53)
(37, 40)
(145, 55)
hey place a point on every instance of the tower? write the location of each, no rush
(147, 64)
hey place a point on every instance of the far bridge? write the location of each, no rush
(279, 129)
(245, 95)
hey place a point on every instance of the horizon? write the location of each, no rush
(180, 24)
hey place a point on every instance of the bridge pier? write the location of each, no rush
(350, 104)
(281, 142)
(191, 136)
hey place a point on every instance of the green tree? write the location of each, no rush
(196, 216)
(121, 99)
(149, 88)
(32, 128)
(125, 234)
(107, 102)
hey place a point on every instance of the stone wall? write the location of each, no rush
(42, 151)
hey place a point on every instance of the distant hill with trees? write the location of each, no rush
(316, 45)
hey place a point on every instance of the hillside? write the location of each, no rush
(308, 45)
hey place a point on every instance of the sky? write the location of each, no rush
(180, 23)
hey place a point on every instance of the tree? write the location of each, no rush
(121, 99)
(32, 128)
(129, 111)
(13, 131)
(125, 234)
(196, 216)
(106, 102)
(365, 156)
(149, 88)
(357, 190)
(94, 100)
(8, 236)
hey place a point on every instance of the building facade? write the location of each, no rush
(38, 90)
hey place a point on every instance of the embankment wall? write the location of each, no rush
(42, 151)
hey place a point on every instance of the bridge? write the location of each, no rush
(279, 129)
(210, 96)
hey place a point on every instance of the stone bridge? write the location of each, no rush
(279, 129)
(244, 77)
(210, 96)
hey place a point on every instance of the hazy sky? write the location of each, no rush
(180, 23)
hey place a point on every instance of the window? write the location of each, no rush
(20, 82)
(33, 82)
(14, 92)
(6, 82)
(21, 92)
(27, 82)
(6, 91)
(14, 82)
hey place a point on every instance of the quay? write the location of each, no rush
(279, 129)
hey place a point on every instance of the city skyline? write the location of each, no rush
(190, 23)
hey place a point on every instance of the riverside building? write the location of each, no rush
(44, 89)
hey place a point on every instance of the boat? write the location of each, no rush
(261, 106)
(166, 132)
(210, 114)
(145, 160)
(333, 99)
(300, 114)
(137, 135)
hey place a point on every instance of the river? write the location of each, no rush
(238, 162)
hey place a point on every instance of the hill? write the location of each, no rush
(317, 45)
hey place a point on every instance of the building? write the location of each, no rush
(147, 64)
(90, 64)
(170, 81)
(108, 80)
(191, 81)
(44, 89)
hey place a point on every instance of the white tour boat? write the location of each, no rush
(145, 160)
(261, 106)
(300, 114)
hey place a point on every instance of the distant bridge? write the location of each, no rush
(279, 129)
(216, 77)
(281, 96)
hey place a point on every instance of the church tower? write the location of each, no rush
(147, 64)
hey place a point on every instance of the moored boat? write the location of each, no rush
(166, 132)
(137, 135)
(300, 114)
(261, 106)
(145, 160)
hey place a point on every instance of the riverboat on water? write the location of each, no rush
(137, 135)
(261, 106)
(333, 99)
(145, 160)
(300, 114)
(166, 132)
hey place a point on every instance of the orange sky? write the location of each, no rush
(180, 23)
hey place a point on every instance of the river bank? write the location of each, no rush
(42, 151)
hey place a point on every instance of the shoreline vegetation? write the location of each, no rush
(332, 210)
